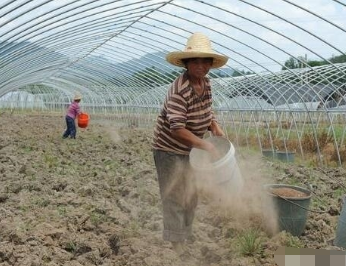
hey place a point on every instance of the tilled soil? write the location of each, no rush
(95, 201)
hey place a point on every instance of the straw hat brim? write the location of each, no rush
(175, 58)
(77, 97)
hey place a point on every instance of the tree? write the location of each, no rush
(314, 63)
(291, 63)
(300, 62)
(335, 76)
(338, 59)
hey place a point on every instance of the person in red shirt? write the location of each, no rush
(72, 112)
(185, 117)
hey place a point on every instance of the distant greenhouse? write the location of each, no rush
(22, 100)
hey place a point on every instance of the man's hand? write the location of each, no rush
(214, 153)
(216, 129)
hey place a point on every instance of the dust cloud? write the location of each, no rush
(240, 196)
(113, 134)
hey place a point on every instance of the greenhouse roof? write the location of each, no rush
(114, 51)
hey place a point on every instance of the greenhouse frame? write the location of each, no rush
(283, 87)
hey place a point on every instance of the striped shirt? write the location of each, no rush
(183, 108)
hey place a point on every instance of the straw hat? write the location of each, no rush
(197, 46)
(77, 96)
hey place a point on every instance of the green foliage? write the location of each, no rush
(292, 241)
(27, 149)
(291, 63)
(41, 202)
(301, 62)
(71, 246)
(338, 59)
(62, 211)
(314, 63)
(250, 242)
(339, 192)
(96, 218)
(50, 160)
(132, 229)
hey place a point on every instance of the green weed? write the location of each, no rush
(292, 241)
(97, 218)
(132, 230)
(250, 242)
(62, 211)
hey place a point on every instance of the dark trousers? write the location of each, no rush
(71, 128)
(178, 194)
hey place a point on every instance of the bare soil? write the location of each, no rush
(95, 201)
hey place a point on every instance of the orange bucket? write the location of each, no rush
(83, 120)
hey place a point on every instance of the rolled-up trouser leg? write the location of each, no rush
(178, 194)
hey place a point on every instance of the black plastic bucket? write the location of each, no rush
(271, 154)
(292, 211)
(285, 156)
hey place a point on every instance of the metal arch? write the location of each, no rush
(308, 32)
(243, 43)
(55, 22)
(33, 19)
(16, 7)
(42, 43)
(131, 65)
(265, 41)
(316, 15)
(76, 13)
(250, 59)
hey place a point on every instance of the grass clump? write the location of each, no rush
(250, 242)
(291, 241)
(286, 239)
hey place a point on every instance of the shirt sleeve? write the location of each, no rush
(78, 111)
(176, 111)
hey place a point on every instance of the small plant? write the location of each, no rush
(250, 242)
(27, 149)
(62, 210)
(339, 192)
(40, 202)
(288, 240)
(97, 218)
(132, 229)
(70, 246)
(292, 241)
(50, 160)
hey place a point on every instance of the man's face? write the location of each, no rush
(199, 67)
